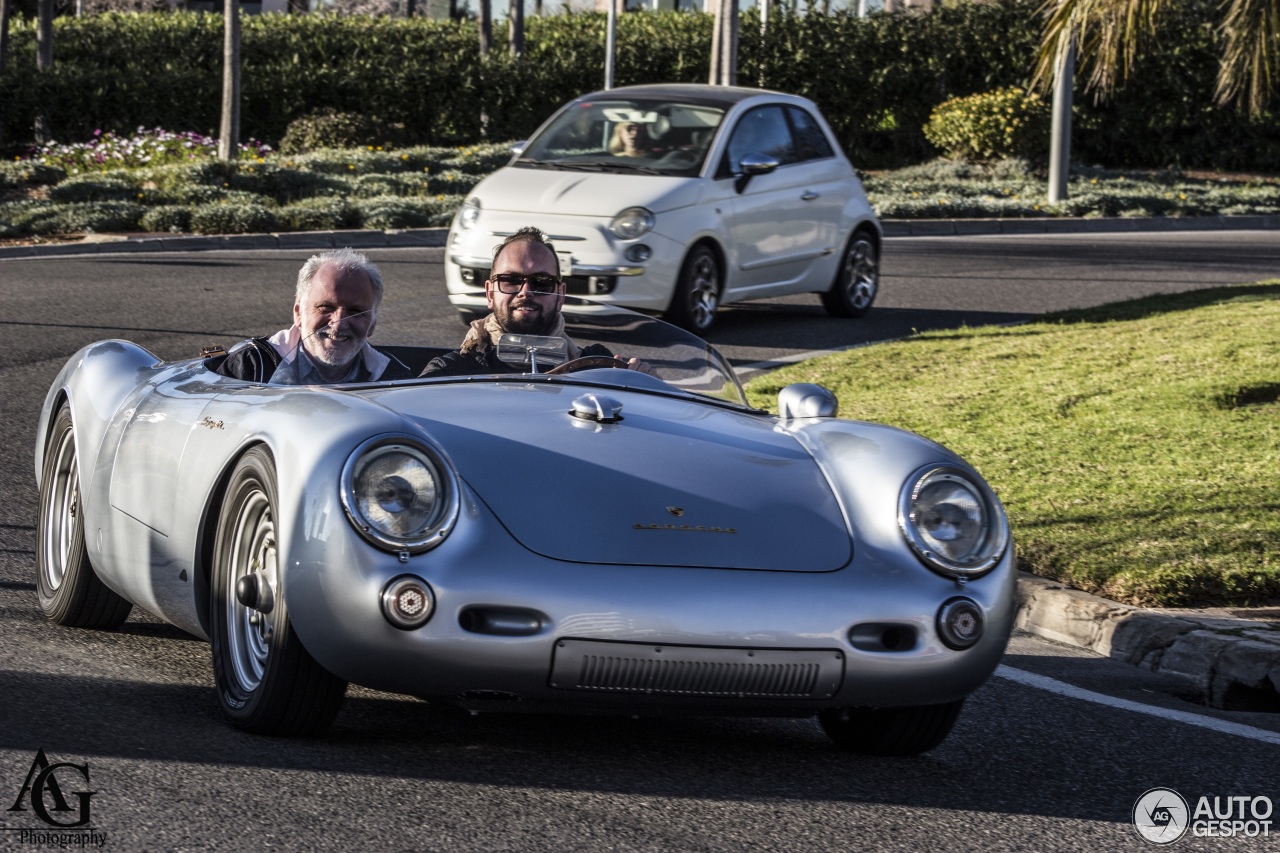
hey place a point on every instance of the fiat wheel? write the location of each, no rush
(857, 280)
(697, 295)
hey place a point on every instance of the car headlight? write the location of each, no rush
(953, 521)
(400, 495)
(631, 223)
(469, 213)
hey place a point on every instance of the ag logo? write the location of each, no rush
(44, 789)
(1161, 816)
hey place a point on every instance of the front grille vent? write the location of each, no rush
(696, 670)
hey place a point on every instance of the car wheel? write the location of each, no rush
(891, 731)
(468, 317)
(69, 590)
(857, 279)
(693, 306)
(267, 682)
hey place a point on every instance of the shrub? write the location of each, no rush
(24, 173)
(96, 188)
(77, 218)
(332, 129)
(996, 125)
(232, 218)
(173, 218)
(391, 212)
(318, 214)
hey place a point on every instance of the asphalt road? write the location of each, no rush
(1051, 754)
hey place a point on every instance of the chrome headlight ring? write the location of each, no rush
(632, 223)
(401, 493)
(469, 213)
(953, 521)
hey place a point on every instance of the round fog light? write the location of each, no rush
(638, 254)
(407, 602)
(960, 623)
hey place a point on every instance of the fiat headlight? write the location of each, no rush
(469, 213)
(400, 495)
(952, 521)
(631, 223)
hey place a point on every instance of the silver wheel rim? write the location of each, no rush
(253, 549)
(703, 291)
(860, 275)
(62, 511)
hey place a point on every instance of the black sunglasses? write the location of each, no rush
(512, 282)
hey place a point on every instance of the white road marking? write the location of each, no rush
(1052, 685)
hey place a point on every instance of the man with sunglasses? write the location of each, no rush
(525, 294)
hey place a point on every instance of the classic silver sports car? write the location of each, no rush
(577, 538)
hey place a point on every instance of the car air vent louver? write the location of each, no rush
(696, 670)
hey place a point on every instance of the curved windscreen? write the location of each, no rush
(641, 135)
(674, 361)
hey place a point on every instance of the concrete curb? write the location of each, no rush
(1222, 659)
(435, 237)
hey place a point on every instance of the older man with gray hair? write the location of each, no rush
(335, 310)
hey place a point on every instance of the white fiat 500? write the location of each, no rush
(676, 199)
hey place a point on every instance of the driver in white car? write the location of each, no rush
(525, 294)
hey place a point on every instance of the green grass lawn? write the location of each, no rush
(1136, 446)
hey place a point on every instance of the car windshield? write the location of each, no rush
(677, 361)
(641, 136)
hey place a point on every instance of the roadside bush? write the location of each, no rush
(173, 218)
(996, 125)
(78, 218)
(391, 212)
(118, 187)
(319, 214)
(232, 218)
(332, 129)
(24, 173)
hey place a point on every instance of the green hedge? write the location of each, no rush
(877, 79)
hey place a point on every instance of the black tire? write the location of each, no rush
(266, 680)
(891, 731)
(469, 317)
(857, 279)
(697, 295)
(67, 586)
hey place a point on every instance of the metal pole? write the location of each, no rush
(611, 41)
(1060, 146)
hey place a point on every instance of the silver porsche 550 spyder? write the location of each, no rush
(568, 537)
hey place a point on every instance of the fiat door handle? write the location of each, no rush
(810, 195)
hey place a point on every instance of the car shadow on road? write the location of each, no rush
(1002, 757)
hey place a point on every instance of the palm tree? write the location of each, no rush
(1108, 35)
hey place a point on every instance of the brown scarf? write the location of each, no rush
(485, 332)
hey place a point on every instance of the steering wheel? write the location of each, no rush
(681, 158)
(587, 362)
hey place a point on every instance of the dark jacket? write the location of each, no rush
(477, 361)
(255, 360)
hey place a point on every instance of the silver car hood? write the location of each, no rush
(583, 193)
(674, 483)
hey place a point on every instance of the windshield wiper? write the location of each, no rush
(556, 164)
(589, 166)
